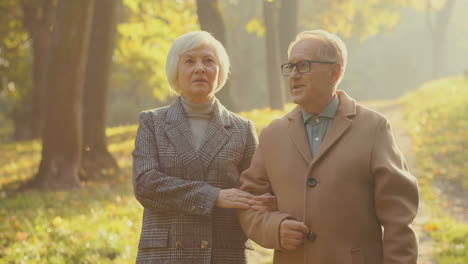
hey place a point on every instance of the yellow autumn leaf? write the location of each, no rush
(57, 221)
(430, 227)
(21, 236)
(255, 25)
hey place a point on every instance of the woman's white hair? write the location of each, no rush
(190, 41)
(333, 49)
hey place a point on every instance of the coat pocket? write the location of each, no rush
(356, 255)
(154, 238)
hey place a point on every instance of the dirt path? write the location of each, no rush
(392, 110)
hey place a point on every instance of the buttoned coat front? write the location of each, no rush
(178, 186)
(356, 184)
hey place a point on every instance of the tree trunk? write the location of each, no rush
(96, 159)
(209, 16)
(38, 20)
(39, 98)
(288, 17)
(246, 62)
(287, 26)
(438, 30)
(61, 141)
(274, 82)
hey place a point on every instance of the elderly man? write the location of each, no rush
(343, 189)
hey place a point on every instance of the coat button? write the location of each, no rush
(312, 236)
(179, 245)
(204, 244)
(311, 182)
(192, 209)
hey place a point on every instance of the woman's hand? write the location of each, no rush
(264, 203)
(234, 198)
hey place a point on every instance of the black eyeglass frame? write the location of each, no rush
(293, 65)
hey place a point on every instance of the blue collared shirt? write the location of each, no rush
(318, 125)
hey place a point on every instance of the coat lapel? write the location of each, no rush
(298, 134)
(340, 125)
(178, 132)
(216, 135)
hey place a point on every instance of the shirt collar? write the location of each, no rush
(329, 111)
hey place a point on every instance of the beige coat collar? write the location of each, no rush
(298, 134)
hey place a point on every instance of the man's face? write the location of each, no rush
(316, 86)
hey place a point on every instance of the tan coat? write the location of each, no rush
(356, 184)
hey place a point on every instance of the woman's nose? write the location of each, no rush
(199, 67)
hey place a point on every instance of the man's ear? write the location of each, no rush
(336, 72)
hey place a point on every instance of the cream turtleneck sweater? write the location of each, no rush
(199, 116)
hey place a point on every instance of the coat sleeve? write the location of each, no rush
(158, 191)
(263, 228)
(251, 145)
(396, 198)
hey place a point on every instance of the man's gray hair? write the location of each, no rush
(190, 41)
(333, 49)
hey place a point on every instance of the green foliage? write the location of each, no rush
(255, 25)
(262, 117)
(145, 37)
(363, 18)
(15, 62)
(437, 118)
(451, 238)
(145, 34)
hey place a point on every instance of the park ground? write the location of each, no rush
(100, 222)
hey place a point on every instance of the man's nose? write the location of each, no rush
(294, 73)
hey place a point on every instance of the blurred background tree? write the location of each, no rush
(146, 30)
(96, 160)
(211, 20)
(62, 133)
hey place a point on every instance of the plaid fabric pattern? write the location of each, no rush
(178, 186)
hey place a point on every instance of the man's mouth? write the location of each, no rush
(297, 86)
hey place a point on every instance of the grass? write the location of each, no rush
(437, 118)
(98, 223)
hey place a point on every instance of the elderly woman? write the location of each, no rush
(187, 161)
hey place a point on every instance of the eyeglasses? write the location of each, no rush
(301, 66)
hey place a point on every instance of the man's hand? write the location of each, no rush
(264, 203)
(233, 198)
(292, 234)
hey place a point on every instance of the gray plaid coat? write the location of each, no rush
(178, 186)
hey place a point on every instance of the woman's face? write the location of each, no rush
(197, 74)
